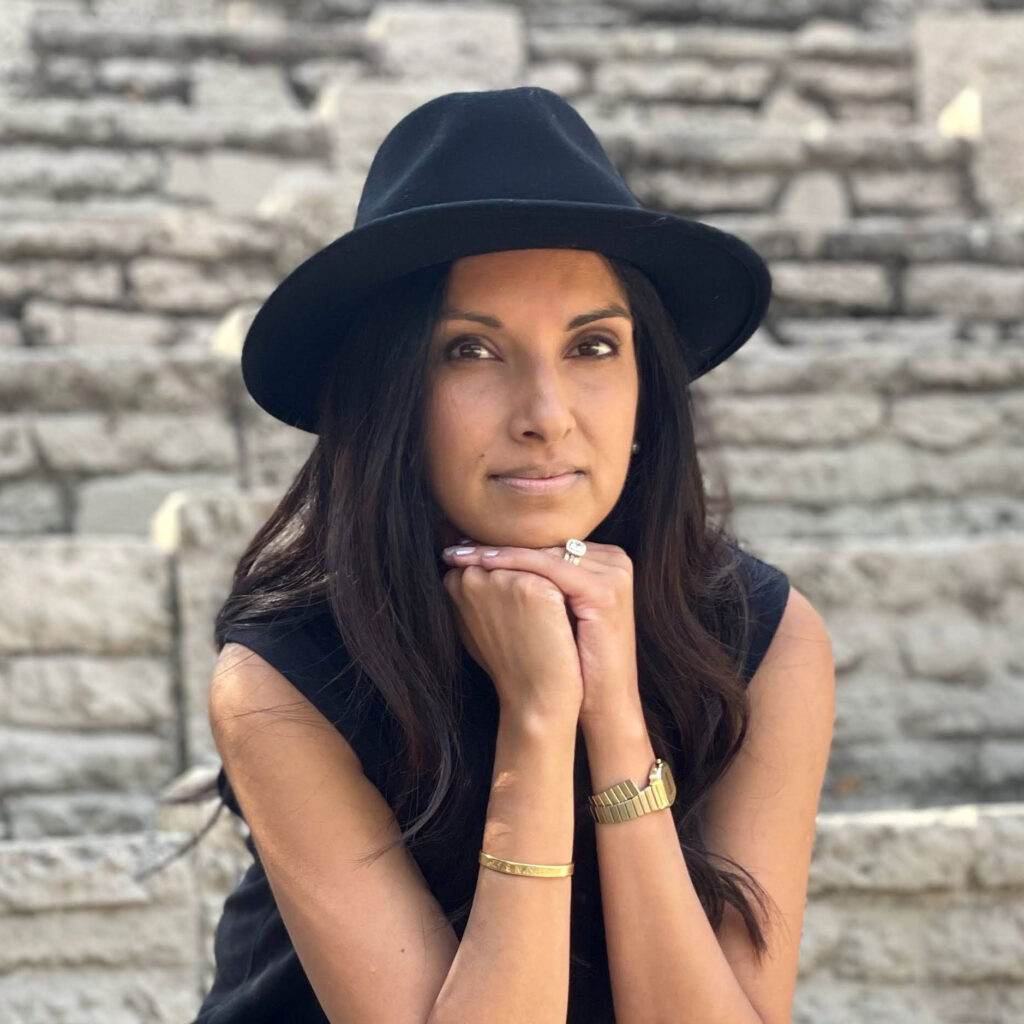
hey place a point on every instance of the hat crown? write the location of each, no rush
(521, 143)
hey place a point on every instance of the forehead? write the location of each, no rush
(555, 270)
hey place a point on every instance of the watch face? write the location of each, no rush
(663, 770)
(670, 782)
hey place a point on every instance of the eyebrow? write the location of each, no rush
(612, 309)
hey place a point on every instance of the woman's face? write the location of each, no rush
(515, 381)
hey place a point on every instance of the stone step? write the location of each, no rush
(130, 125)
(817, 39)
(186, 39)
(78, 907)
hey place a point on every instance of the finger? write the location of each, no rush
(567, 576)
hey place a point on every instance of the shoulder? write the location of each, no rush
(798, 667)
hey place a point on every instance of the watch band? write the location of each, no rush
(625, 801)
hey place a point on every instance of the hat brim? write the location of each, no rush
(715, 287)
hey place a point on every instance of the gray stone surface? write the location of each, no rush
(978, 50)
(481, 44)
(160, 175)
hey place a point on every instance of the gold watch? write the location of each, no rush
(625, 801)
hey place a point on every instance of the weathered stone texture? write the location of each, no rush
(164, 165)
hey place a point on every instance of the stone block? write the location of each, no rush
(138, 994)
(843, 332)
(219, 85)
(900, 575)
(905, 191)
(480, 44)
(703, 189)
(139, 77)
(126, 504)
(317, 205)
(115, 379)
(999, 767)
(966, 289)
(10, 333)
(946, 422)
(717, 148)
(941, 646)
(230, 182)
(68, 76)
(820, 286)
(62, 280)
(51, 323)
(357, 115)
(310, 76)
(95, 443)
(74, 692)
(815, 197)
(124, 123)
(874, 113)
(829, 81)
(17, 456)
(824, 39)
(978, 50)
(684, 79)
(724, 43)
(565, 77)
(181, 286)
(58, 761)
(95, 812)
(107, 596)
(958, 709)
(850, 145)
(192, 38)
(769, 13)
(909, 518)
(784, 105)
(32, 506)
(274, 451)
(773, 419)
(906, 851)
(139, 11)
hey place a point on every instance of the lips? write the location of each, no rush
(538, 472)
(540, 485)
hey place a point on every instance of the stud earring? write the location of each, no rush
(635, 448)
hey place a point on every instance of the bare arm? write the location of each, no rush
(361, 930)
(513, 963)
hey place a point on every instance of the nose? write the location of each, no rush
(542, 403)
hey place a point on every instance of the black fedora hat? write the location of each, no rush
(485, 171)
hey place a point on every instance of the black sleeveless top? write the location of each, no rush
(259, 978)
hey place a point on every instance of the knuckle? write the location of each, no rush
(521, 584)
(473, 578)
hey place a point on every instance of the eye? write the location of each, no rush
(470, 340)
(595, 339)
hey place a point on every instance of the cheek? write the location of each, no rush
(457, 429)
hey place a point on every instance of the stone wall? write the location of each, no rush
(912, 915)
(163, 164)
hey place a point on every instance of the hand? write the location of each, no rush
(599, 595)
(516, 627)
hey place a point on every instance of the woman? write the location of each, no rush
(483, 759)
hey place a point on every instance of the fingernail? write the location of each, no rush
(463, 551)
(490, 552)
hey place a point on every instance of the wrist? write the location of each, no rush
(532, 721)
(626, 719)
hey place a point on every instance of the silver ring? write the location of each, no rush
(574, 549)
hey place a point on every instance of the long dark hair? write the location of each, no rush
(358, 527)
